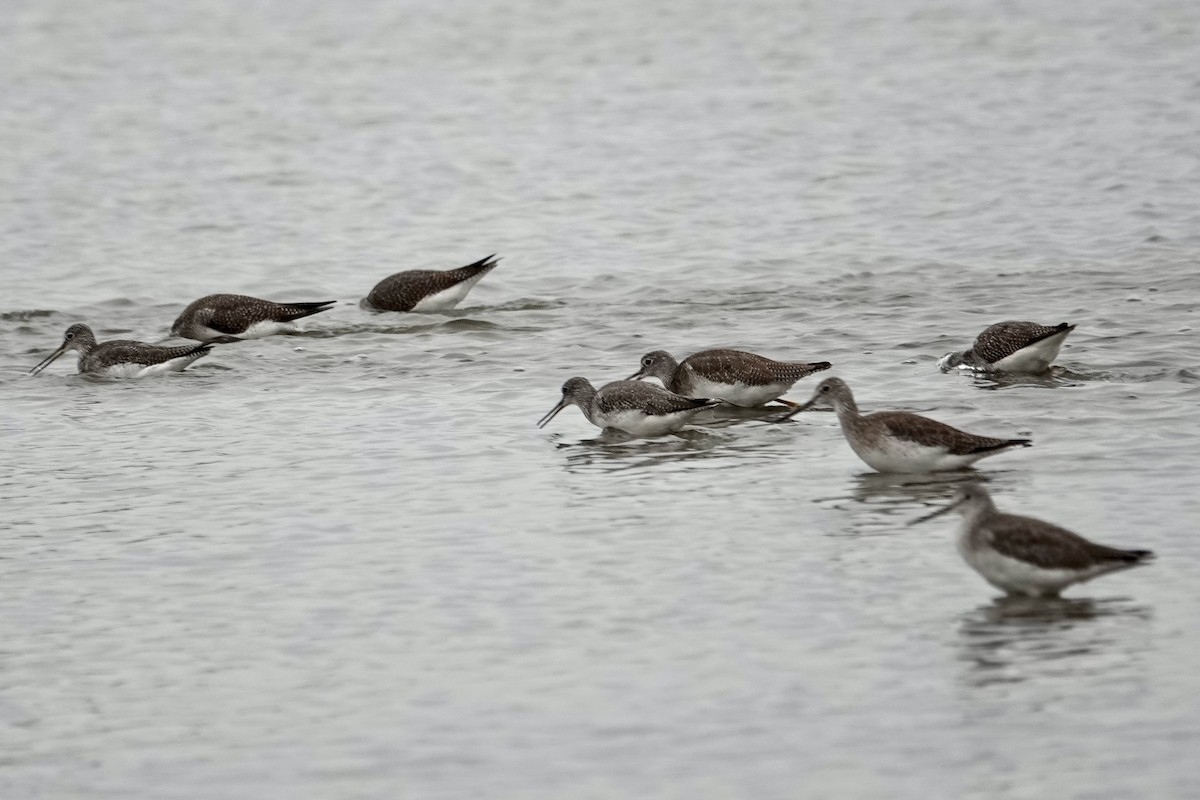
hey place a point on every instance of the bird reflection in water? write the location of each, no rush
(613, 451)
(881, 502)
(1014, 639)
(1055, 378)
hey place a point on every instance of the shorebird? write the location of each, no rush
(427, 289)
(1026, 556)
(640, 409)
(743, 379)
(1011, 347)
(122, 358)
(232, 317)
(898, 441)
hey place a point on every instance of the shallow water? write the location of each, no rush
(346, 563)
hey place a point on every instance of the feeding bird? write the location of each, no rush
(1011, 347)
(427, 289)
(232, 317)
(639, 409)
(1024, 555)
(122, 358)
(899, 441)
(740, 378)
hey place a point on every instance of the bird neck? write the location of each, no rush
(979, 510)
(846, 408)
(84, 342)
(667, 371)
(585, 398)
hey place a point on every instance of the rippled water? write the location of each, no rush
(346, 564)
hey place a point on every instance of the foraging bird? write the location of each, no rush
(426, 289)
(640, 409)
(1026, 556)
(122, 358)
(1011, 347)
(743, 379)
(232, 317)
(898, 441)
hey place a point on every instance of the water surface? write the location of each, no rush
(346, 564)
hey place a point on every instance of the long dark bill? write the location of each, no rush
(48, 360)
(561, 405)
(937, 513)
(795, 411)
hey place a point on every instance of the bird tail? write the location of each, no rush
(482, 265)
(1062, 327)
(805, 370)
(295, 311)
(1003, 444)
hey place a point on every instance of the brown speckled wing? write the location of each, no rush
(638, 396)
(736, 366)
(232, 314)
(125, 351)
(1005, 338)
(931, 433)
(402, 291)
(1049, 546)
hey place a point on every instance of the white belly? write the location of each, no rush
(738, 394)
(447, 298)
(130, 370)
(142, 371)
(1020, 577)
(267, 328)
(899, 455)
(1037, 357)
(637, 423)
(257, 330)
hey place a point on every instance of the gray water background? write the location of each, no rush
(346, 564)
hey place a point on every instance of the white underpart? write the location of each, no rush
(901, 455)
(448, 298)
(267, 327)
(257, 330)
(130, 370)
(737, 393)
(1037, 357)
(639, 423)
(1020, 577)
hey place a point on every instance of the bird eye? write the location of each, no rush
(824, 388)
(647, 362)
(70, 336)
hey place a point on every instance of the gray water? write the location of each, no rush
(346, 564)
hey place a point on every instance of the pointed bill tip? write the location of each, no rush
(937, 513)
(47, 361)
(796, 409)
(541, 423)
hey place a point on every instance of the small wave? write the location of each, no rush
(25, 316)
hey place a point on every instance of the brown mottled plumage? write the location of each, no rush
(426, 289)
(122, 357)
(229, 317)
(637, 408)
(1024, 555)
(735, 376)
(999, 348)
(899, 441)
(930, 433)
